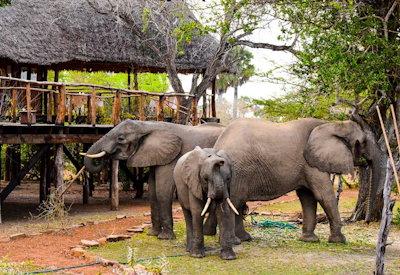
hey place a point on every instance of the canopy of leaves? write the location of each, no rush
(4, 2)
(349, 50)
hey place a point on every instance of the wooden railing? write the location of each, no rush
(57, 103)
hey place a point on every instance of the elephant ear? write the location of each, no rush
(157, 148)
(191, 170)
(329, 147)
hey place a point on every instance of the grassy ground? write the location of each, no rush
(273, 251)
(8, 267)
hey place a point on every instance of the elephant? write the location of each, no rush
(271, 159)
(202, 178)
(157, 145)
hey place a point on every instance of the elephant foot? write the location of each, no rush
(166, 235)
(244, 236)
(337, 238)
(228, 254)
(237, 241)
(197, 253)
(310, 237)
(209, 230)
(154, 232)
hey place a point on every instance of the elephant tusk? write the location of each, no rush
(94, 156)
(206, 207)
(232, 206)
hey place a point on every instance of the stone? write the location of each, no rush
(146, 214)
(117, 238)
(90, 243)
(136, 229)
(78, 252)
(17, 236)
(102, 241)
(146, 225)
(120, 217)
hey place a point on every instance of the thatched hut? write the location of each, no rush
(39, 35)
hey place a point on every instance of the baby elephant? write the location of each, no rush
(202, 178)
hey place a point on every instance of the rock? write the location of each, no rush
(120, 217)
(17, 236)
(89, 222)
(117, 238)
(146, 225)
(136, 229)
(78, 252)
(102, 241)
(146, 214)
(90, 243)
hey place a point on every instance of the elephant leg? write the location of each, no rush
(240, 231)
(165, 188)
(189, 229)
(309, 205)
(226, 221)
(155, 212)
(210, 225)
(321, 186)
(197, 221)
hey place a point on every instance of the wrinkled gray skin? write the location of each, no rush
(272, 159)
(158, 145)
(201, 174)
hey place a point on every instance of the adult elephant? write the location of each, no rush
(271, 159)
(153, 144)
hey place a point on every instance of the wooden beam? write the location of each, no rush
(49, 113)
(69, 103)
(28, 103)
(61, 106)
(17, 179)
(114, 185)
(160, 108)
(178, 109)
(135, 81)
(204, 115)
(48, 138)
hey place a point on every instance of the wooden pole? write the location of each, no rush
(49, 113)
(43, 179)
(129, 87)
(61, 106)
(116, 112)
(28, 103)
(59, 167)
(204, 106)
(160, 108)
(385, 222)
(69, 108)
(93, 107)
(135, 81)
(142, 115)
(388, 148)
(14, 105)
(194, 111)
(114, 185)
(213, 105)
(178, 109)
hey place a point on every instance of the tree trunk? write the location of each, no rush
(235, 102)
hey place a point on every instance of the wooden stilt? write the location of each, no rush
(59, 168)
(7, 168)
(204, 106)
(43, 192)
(114, 185)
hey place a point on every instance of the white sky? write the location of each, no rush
(264, 60)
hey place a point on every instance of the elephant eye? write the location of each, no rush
(121, 138)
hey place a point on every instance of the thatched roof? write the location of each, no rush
(73, 35)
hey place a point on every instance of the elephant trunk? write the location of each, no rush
(90, 163)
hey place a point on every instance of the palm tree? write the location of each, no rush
(242, 73)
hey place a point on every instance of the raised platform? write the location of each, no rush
(17, 133)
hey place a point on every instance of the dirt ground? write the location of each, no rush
(47, 250)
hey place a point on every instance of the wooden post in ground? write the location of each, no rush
(204, 115)
(114, 185)
(43, 191)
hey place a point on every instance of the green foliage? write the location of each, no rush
(345, 55)
(299, 105)
(244, 70)
(4, 3)
(147, 81)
